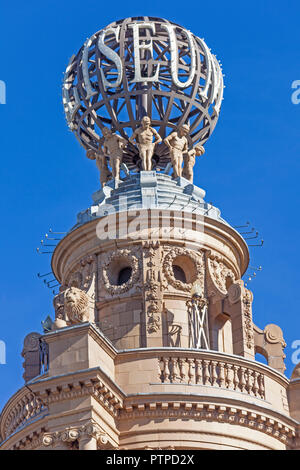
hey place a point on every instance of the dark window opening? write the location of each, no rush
(124, 275)
(179, 273)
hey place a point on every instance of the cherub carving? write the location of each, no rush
(144, 138)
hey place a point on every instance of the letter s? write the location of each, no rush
(111, 55)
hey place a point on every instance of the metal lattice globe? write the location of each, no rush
(142, 66)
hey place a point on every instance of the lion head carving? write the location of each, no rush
(76, 305)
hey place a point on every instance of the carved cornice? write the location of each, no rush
(102, 388)
(98, 388)
(210, 412)
(22, 408)
(31, 441)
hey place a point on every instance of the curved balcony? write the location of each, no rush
(155, 377)
(201, 372)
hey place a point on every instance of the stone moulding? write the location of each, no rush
(21, 410)
(31, 441)
(76, 433)
(82, 241)
(95, 383)
(221, 413)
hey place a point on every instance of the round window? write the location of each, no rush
(124, 275)
(179, 273)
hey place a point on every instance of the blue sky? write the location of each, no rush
(250, 169)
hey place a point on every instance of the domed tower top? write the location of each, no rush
(142, 66)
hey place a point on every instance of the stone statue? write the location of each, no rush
(189, 161)
(76, 305)
(101, 163)
(113, 147)
(178, 145)
(144, 138)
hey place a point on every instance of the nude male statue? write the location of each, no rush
(178, 145)
(144, 139)
(101, 163)
(113, 147)
(189, 161)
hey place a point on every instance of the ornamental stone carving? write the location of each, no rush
(24, 410)
(72, 304)
(31, 343)
(153, 321)
(235, 291)
(82, 274)
(70, 435)
(59, 308)
(112, 263)
(247, 311)
(270, 343)
(76, 303)
(31, 355)
(152, 289)
(196, 260)
(219, 273)
(274, 335)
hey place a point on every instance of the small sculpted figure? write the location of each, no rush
(189, 161)
(101, 163)
(144, 138)
(178, 145)
(113, 147)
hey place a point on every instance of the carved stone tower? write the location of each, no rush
(153, 342)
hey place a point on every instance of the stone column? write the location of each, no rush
(90, 436)
(87, 442)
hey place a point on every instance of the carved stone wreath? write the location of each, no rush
(219, 273)
(169, 273)
(109, 263)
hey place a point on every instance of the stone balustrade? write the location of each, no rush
(214, 373)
